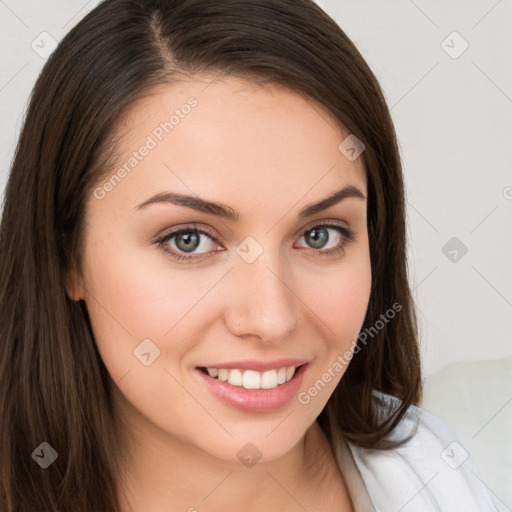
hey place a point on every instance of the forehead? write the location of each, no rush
(231, 137)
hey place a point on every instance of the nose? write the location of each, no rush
(261, 301)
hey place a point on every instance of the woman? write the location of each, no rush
(203, 265)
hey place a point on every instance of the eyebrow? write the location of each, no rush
(229, 213)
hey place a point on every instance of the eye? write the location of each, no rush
(182, 244)
(332, 237)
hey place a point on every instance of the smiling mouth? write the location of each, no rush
(251, 379)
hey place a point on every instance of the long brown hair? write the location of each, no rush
(54, 386)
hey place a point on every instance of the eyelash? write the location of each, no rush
(347, 233)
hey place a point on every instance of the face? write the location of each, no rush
(182, 298)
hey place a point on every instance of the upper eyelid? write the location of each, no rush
(328, 222)
(198, 228)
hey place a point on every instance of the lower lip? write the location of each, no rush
(255, 400)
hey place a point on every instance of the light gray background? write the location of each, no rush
(453, 118)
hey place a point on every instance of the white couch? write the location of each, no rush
(475, 399)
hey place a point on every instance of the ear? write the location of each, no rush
(74, 287)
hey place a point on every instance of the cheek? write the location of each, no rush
(133, 297)
(340, 298)
(339, 301)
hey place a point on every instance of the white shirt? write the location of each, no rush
(430, 472)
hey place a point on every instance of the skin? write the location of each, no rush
(265, 152)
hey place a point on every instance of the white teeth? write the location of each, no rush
(269, 380)
(250, 379)
(281, 376)
(235, 377)
(213, 372)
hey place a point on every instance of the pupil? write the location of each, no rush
(188, 239)
(320, 237)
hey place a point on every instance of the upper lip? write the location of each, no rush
(259, 366)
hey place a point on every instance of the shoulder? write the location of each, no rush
(430, 471)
